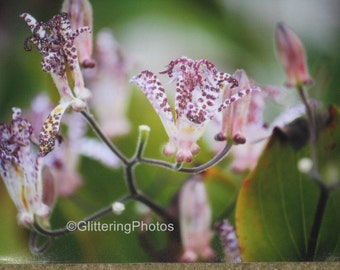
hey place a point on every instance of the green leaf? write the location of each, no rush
(277, 203)
(222, 189)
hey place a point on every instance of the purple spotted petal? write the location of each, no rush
(197, 98)
(155, 92)
(19, 168)
(50, 131)
(54, 39)
(227, 102)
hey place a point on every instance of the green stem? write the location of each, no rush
(130, 180)
(319, 214)
(34, 245)
(313, 135)
(62, 231)
(156, 209)
(197, 169)
(324, 192)
(101, 135)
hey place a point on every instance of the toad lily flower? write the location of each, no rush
(292, 55)
(235, 117)
(54, 40)
(195, 221)
(198, 92)
(80, 13)
(21, 167)
(64, 161)
(110, 83)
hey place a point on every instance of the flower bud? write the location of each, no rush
(292, 55)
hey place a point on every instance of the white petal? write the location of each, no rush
(97, 150)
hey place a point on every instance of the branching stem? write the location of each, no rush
(134, 194)
(102, 136)
(196, 169)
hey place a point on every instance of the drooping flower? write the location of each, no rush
(292, 55)
(109, 81)
(235, 117)
(63, 162)
(199, 88)
(255, 129)
(54, 40)
(80, 14)
(195, 221)
(21, 165)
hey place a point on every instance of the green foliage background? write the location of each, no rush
(232, 34)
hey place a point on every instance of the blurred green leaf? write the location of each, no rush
(276, 204)
(222, 191)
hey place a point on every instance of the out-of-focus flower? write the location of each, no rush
(198, 92)
(63, 162)
(235, 117)
(109, 81)
(80, 14)
(257, 132)
(54, 40)
(292, 55)
(245, 156)
(243, 123)
(195, 221)
(229, 241)
(21, 165)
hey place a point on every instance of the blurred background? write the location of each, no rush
(232, 34)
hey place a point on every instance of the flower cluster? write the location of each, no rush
(38, 164)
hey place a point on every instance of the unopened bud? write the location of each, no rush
(292, 55)
(118, 208)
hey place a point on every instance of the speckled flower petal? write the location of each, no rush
(155, 92)
(50, 131)
(54, 39)
(80, 13)
(236, 97)
(19, 169)
(197, 99)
